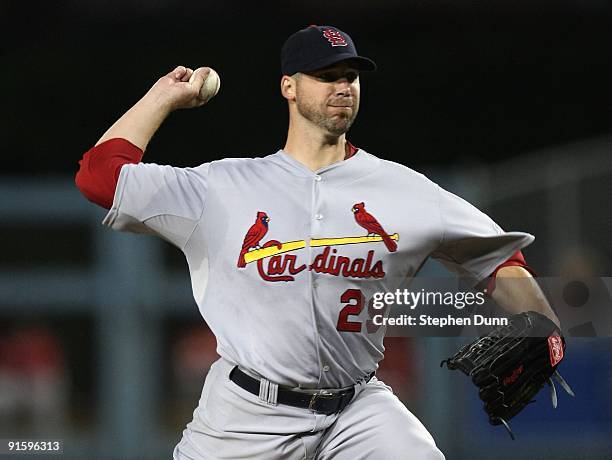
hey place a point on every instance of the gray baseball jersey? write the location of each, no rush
(282, 258)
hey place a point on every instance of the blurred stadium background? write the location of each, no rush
(507, 104)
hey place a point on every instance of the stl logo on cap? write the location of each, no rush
(334, 37)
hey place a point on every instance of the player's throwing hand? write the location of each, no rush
(176, 91)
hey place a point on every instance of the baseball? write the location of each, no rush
(211, 86)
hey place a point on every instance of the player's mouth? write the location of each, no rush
(344, 102)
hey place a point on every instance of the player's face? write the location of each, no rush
(329, 97)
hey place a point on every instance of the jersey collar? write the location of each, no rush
(358, 165)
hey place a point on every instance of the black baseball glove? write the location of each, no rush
(511, 364)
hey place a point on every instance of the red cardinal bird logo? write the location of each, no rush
(257, 231)
(369, 222)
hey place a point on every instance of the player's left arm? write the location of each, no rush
(516, 291)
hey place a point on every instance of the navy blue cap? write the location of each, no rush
(317, 47)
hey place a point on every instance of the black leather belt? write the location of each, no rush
(320, 401)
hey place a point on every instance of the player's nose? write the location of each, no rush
(343, 88)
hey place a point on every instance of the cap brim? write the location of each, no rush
(361, 63)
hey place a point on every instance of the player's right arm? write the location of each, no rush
(171, 92)
(126, 140)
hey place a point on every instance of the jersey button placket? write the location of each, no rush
(315, 224)
(318, 216)
(317, 179)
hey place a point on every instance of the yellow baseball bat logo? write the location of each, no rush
(257, 254)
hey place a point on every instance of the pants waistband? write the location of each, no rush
(320, 401)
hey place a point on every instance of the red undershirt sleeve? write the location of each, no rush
(516, 260)
(100, 167)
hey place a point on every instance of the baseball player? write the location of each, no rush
(283, 252)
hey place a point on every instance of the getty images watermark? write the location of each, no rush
(412, 300)
(447, 307)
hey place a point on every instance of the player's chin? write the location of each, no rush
(339, 126)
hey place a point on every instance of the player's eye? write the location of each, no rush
(327, 77)
(351, 76)
(330, 77)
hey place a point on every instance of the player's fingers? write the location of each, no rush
(178, 72)
(187, 75)
(199, 76)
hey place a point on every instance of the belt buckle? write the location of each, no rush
(319, 394)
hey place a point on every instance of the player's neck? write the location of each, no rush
(315, 150)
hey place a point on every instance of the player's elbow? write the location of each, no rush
(514, 271)
(93, 185)
(98, 173)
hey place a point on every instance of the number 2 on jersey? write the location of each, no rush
(354, 300)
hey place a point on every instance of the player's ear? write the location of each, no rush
(288, 86)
